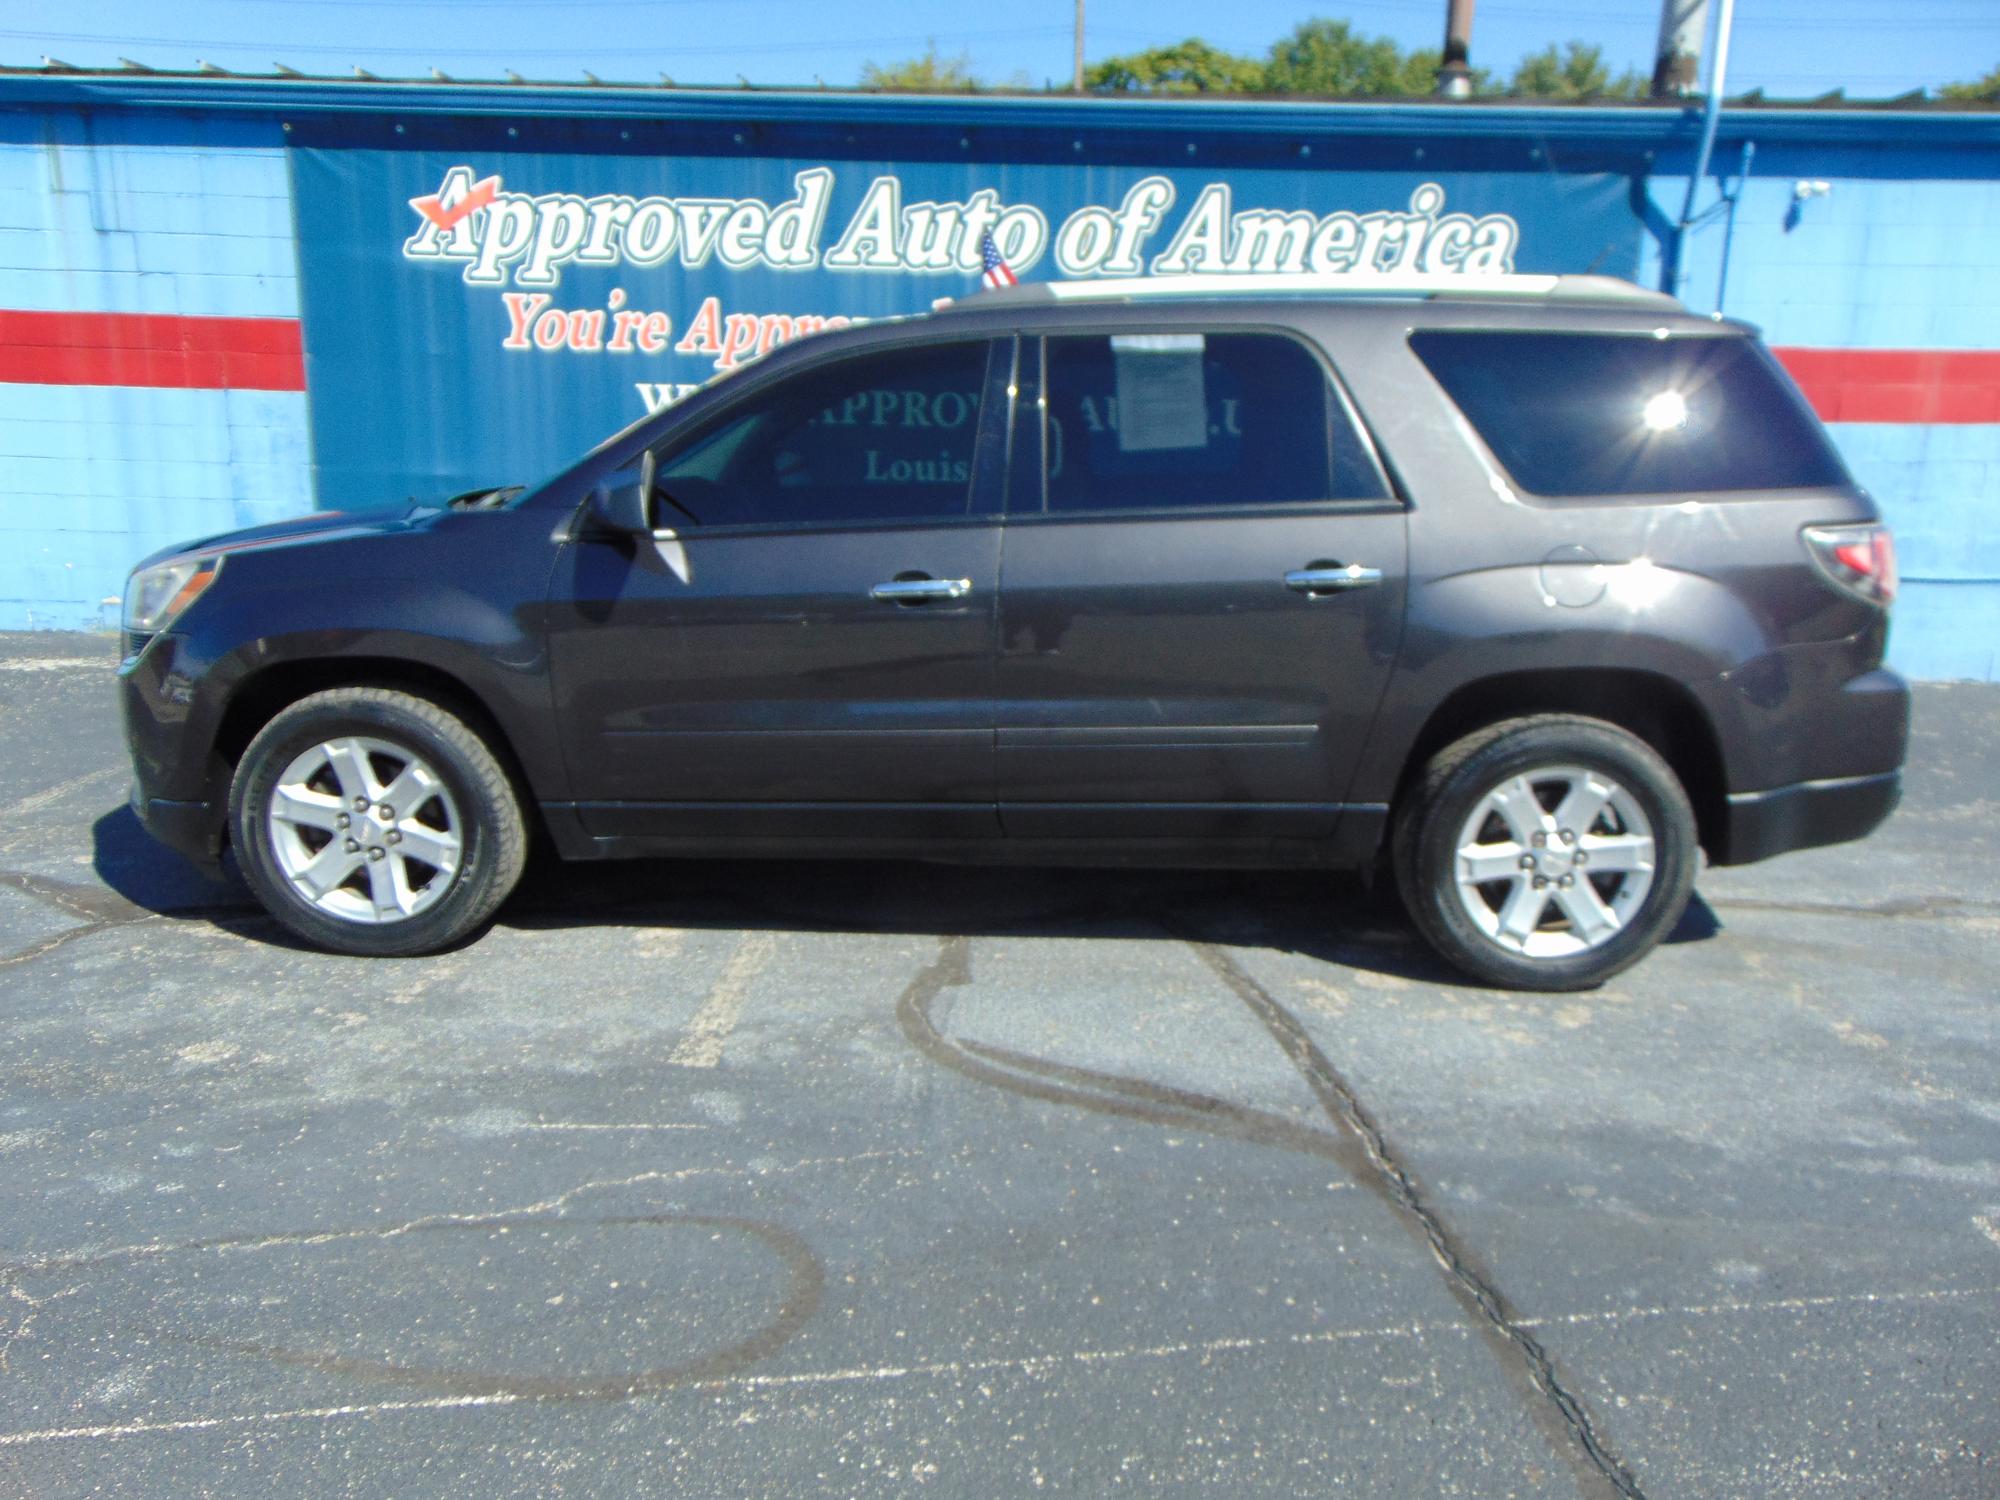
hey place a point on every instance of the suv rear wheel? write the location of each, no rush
(1546, 853)
(375, 822)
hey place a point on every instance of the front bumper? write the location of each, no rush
(179, 789)
(193, 829)
(1806, 815)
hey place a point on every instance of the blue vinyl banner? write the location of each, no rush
(482, 318)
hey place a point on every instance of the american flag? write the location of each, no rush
(998, 272)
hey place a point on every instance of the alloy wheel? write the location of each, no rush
(1554, 861)
(365, 830)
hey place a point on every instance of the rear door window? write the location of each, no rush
(1587, 414)
(1177, 420)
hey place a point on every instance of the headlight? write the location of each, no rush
(155, 596)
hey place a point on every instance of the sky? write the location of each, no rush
(1789, 48)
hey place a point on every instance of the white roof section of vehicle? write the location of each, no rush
(1383, 285)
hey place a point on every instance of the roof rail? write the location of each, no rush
(1384, 285)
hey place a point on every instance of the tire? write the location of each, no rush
(350, 874)
(1639, 851)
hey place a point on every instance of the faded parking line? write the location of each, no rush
(36, 801)
(719, 1013)
(54, 663)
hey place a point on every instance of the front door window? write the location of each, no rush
(880, 438)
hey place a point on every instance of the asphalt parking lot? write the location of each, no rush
(812, 1179)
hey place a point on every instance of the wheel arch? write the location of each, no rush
(264, 694)
(1655, 708)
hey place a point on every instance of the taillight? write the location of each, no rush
(1861, 559)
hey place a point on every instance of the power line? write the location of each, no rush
(1598, 21)
(1593, 15)
(446, 7)
(1595, 18)
(609, 49)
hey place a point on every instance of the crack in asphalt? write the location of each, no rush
(96, 908)
(805, 1278)
(1906, 906)
(805, 1284)
(91, 902)
(551, 1208)
(1360, 1146)
(1030, 1364)
(797, 1302)
(1472, 1286)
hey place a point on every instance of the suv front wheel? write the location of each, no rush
(375, 822)
(1546, 853)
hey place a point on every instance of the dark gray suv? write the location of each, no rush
(1535, 589)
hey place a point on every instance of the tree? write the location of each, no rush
(1189, 67)
(930, 73)
(1577, 71)
(1330, 59)
(1979, 91)
(1322, 58)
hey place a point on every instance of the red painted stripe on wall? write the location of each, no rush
(151, 349)
(1898, 385)
(264, 354)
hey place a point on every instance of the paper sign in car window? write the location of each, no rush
(1162, 399)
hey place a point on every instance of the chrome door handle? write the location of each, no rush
(1332, 580)
(920, 590)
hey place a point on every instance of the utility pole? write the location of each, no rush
(1454, 75)
(1076, 70)
(1677, 59)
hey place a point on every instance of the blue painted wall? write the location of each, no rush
(112, 213)
(1902, 251)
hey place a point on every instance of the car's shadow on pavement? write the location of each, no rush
(148, 874)
(1336, 917)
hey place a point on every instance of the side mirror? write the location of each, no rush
(626, 509)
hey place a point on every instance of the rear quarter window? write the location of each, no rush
(1571, 415)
